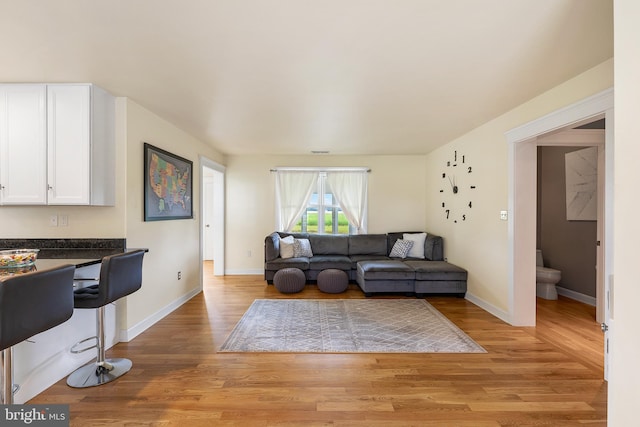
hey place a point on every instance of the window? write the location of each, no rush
(322, 201)
(323, 214)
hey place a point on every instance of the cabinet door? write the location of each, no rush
(69, 144)
(23, 144)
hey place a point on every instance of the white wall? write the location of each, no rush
(396, 199)
(624, 373)
(173, 245)
(480, 244)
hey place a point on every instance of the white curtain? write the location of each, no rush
(293, 190)
(350, 190)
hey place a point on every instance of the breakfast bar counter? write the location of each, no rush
(45, 358)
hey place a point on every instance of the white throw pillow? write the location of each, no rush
(401, 248)
(302, 247)
(417, 250)
(286, 247)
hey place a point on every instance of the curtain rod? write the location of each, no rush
(316, 169)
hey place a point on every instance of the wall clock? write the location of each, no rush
(457, 189)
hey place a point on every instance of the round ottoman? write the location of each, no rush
(289, 280)
(333, 281)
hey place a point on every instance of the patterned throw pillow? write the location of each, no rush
(401, 248)
(302, 247)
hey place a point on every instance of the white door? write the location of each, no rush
(208, 217)
(23, 144)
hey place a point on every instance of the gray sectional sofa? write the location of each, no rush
(365, 258)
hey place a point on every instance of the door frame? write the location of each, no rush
(522, 142)
(219, 214)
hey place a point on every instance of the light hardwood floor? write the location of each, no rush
(549, 375)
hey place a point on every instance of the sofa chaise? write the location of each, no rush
(368, 260)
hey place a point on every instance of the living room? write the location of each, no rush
(404, 192)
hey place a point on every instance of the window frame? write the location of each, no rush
(322, 190)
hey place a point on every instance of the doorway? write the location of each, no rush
(522, 200)
(522, 203)
(212, 218)
(569, 200)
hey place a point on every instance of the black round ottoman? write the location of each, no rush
(333, 281)
(289, 280)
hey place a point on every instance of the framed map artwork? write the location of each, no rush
(168, 186)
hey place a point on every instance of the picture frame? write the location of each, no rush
(168, 185)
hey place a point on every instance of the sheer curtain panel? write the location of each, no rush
(350, 190)
(293, 190)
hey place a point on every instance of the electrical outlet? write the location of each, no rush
(503, 215)
(179, 275)
(248, 254)
(63, 220)
(53, 221)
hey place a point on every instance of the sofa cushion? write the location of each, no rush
(437, 270)
(433, 248)
(276, 264)
(323, 262)
(385, 270)
(271, 246)
(368, 244)
(355, 259)
(329, 244)
(358, 258)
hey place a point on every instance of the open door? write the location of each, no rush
(212, 208)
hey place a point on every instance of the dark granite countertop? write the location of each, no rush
(68, 248)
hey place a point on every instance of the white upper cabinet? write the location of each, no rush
(68, 144)
(23, 144)
(78, 158)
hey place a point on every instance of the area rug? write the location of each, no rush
(347, 326)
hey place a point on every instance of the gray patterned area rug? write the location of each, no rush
(347, 326)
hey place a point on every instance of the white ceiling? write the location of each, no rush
(291, 76)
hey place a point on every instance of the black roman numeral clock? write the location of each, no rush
(457, 189)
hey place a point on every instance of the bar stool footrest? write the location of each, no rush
(74, 347)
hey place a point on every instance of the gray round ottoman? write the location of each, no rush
(289, 280)
(333, 281)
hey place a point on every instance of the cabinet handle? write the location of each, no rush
(49, 187)
(1, 187)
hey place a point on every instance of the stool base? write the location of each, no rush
(92, 375)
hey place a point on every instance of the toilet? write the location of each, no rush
(546, 279)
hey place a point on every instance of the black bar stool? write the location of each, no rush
(31, 303)
(120, 275)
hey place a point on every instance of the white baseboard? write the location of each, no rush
(576, 296)
(499, 313)
(127, 335)
(243, 272)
